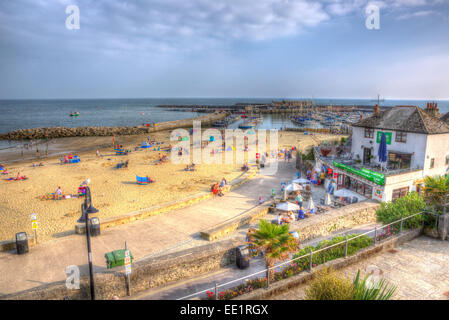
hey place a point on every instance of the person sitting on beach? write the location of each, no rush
(223, 183)
(98, 153)
(245, 167)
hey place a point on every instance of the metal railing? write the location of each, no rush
(377, 239)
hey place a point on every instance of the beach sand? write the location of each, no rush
(114, 191)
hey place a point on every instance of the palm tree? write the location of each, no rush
(435, 190)
(274, 241)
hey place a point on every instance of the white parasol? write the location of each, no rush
(287, 206)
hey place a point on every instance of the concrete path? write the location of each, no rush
(186, 287)
(47, 262)
(419, 268)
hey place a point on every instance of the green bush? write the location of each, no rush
(309, 156)
(327, 285)
(435, 190)
(332, 253)
(403, 207)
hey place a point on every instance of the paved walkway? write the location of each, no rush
(47, 262)
(419, 268)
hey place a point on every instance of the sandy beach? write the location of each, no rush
(114, 191)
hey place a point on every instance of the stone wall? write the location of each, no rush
(337, 219)
(61, 132)
(146, 273)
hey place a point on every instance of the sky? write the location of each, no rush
(224, 48)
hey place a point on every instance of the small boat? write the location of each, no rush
(74, 114)
(247, 125)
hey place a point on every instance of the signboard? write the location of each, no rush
(34, 224)
(127, 263)
(377, 178)
(387, 135)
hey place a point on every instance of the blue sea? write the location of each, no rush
(21, 114)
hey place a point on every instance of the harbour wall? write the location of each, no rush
(62, 132)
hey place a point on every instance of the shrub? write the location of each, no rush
(435, 190)
(332, 253)
(381, 290)
(327, 285)
(403, 207)
(309, 156)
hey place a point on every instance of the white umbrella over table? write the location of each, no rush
(310, 205)
(343, 193)
(293, 187)
(327, 199)
(287, 206)
(301, 181)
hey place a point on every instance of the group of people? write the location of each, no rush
(217, 188)
(66, 158)
(162, 159)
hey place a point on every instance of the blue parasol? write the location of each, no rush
(382, 153)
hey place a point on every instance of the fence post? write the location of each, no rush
(216, 293)
(375, 235)
(400, 229)
(310, 262)
(268, 277)
(346, 247)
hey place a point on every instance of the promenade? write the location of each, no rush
(47, 262)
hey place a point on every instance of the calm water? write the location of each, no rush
(21, 114)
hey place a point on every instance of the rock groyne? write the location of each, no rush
(62, 132)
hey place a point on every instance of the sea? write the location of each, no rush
(22, 114)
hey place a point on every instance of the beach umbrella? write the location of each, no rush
(293, 187)
(382, 152)
(300, 181)
(287, 206)
(310, 205)
(327, 199)
(343, 193)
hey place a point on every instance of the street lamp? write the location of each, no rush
(86, 209)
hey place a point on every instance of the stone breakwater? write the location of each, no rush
(62, 132)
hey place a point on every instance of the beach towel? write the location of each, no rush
(143, 180)
(16, 179)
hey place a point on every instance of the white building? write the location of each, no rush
(417, 146)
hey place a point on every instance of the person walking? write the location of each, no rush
(299, 199)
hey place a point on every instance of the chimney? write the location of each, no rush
(376, 110)
(432, 109)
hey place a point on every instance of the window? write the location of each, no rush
(399, 160)
(399, 193)
(401, 137)
(369, 133)
(432, 163)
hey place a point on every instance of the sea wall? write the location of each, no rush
(146, 273)
(62, 132)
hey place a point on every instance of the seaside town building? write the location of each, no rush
(417, 146)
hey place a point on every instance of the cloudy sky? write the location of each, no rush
(224, 48)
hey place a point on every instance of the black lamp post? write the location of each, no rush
(86, 209)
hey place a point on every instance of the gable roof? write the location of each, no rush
(445, 118)
(405, 118)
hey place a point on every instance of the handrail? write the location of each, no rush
(307, 255)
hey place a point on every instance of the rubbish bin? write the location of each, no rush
(116, 258)
(21, 242)
(242, 257)
(94, 226)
